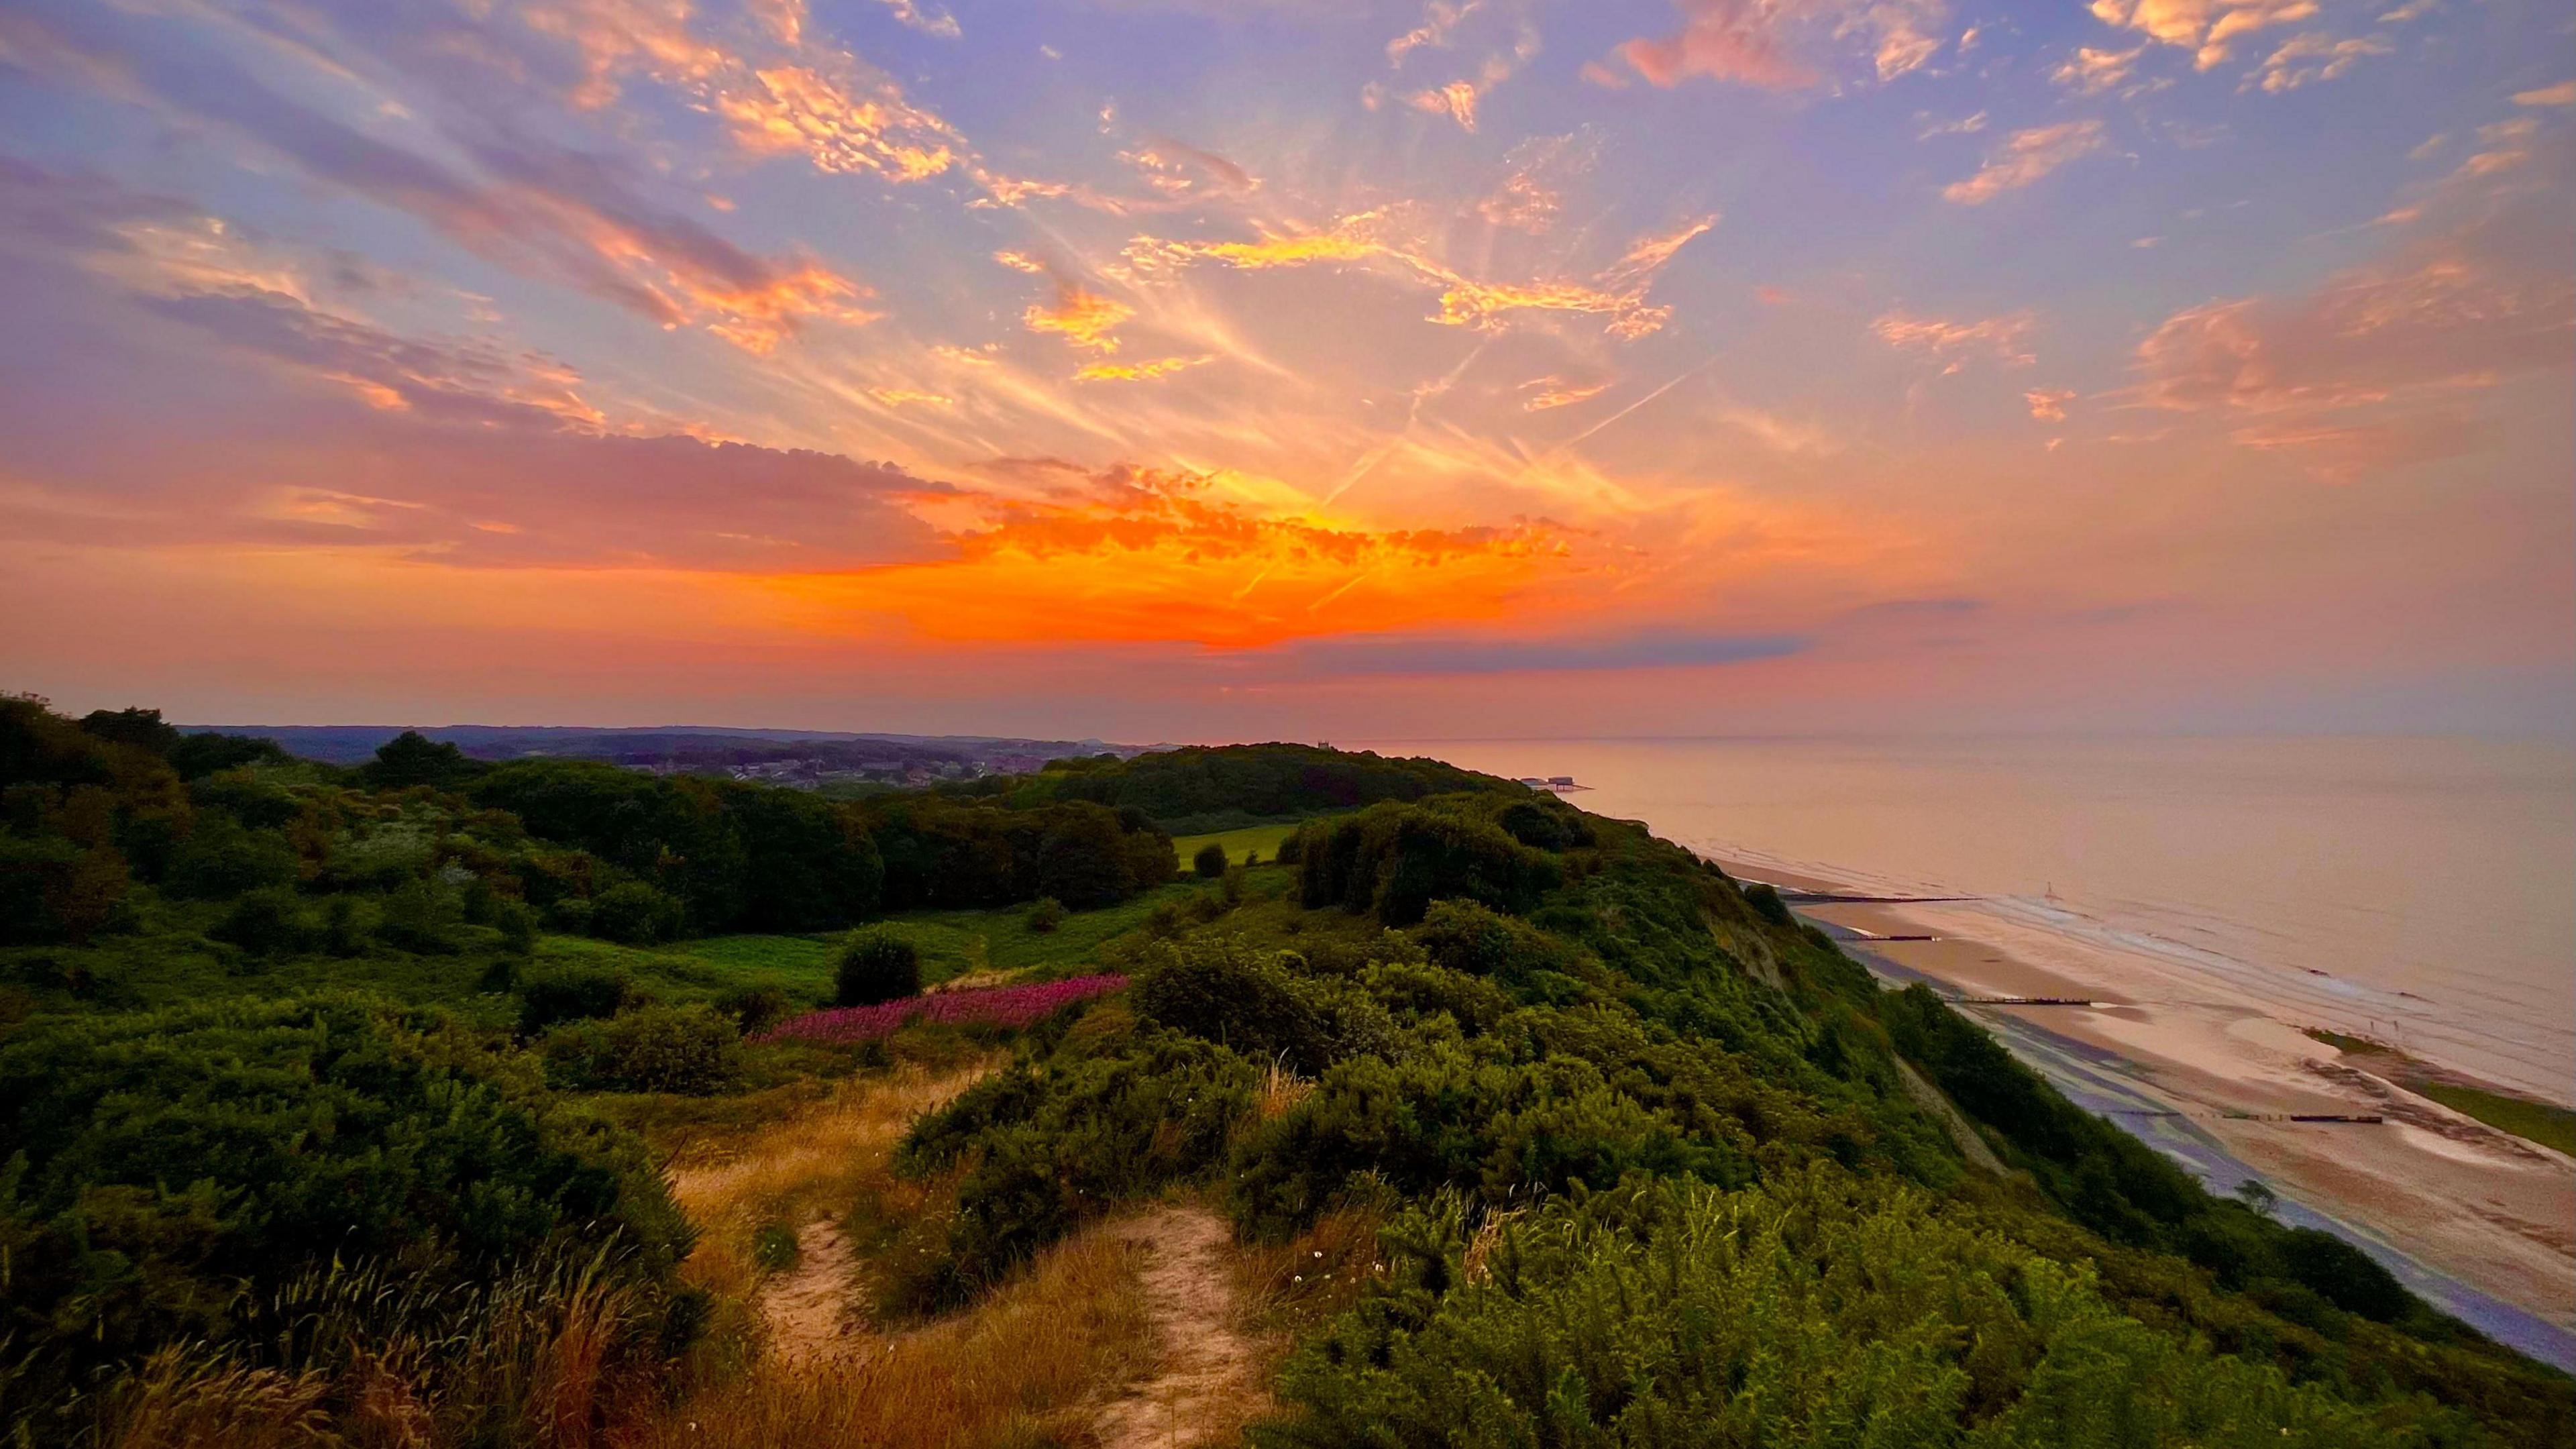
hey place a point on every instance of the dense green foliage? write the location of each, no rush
(1745, 1230)
(1394, 860)
(165, 1164)
(1813, 1309)
(1220, 787)
(944, 854)
(1648, 1161)
(876, 966)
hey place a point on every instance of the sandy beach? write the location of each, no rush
(2485, 1208)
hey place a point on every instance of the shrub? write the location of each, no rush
(635, 914)
(1814, 1310)
(1551, 826)
(1465, 936)
(340, 933)
(876, 966)
(691, 1050)
(177, 1168)
(1767, 904)
(754, 1009)
(1210, 862)
(220, 859)
(53, 890)
(1228, 993)
(421, 917)
(1045, 914)
(1395, 860)
(568, 993)
(264, 923)
(1058, 1146)
(517, 923)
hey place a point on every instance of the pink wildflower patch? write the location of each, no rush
(997, 1005)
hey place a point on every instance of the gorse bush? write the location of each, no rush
(691, 1050)
(1113, 1118)
(635, 914)
(1815, 1310)
(568, 993)
(268, 922)
(167, 1162)
(1395, 860)
(876, 966)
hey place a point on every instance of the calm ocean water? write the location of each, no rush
(2421, 889)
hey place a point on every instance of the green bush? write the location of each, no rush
(1814, 1311)
(171, 1168)
(689, 1050)
(421, 916)
(876, 966)
(220, 859)
(568, 993)
(264, 923)
(755, 1009)
(634, 914)
(53, 889)
(1767, 904)
(1395, 860)
(1210, 862)
(1055, 1146)
(1229, 993)
(1046, 913)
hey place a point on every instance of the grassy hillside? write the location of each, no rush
(432, 1104)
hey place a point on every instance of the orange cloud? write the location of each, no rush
(1142, 555)
(2048, 405)
(1619, 293)
(1755, 41)
(2304, 59)
(2094, 71)
(1139, 371)
(1556, 392)
(2204, 27)
(1456, 100)
(2005, 338)
(1083, 318)
(2024, 158)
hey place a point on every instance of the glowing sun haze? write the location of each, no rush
(1223, 368)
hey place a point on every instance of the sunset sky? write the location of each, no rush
(1205, 369)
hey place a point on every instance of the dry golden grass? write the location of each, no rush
(1027, 1365)
(821, 1158)
(1290, 1288)
(179, 1401)
(1281, 1089)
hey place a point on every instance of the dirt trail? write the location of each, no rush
(1205, 1388)
(811, 1310)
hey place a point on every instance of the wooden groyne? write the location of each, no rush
(2021, 1001)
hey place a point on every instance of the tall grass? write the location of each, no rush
(1026, 1366)
(549, 1357)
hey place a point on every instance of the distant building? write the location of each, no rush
(1560, 779)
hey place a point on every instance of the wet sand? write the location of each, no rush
(2485, 1208)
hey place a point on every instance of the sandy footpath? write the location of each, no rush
(2485, 1207)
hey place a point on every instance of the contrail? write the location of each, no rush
(1632, 407)
(1367, 462)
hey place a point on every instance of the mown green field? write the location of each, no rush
(1262, 838)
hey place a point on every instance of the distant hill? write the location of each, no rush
(798, 757)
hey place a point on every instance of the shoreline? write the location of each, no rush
(2476, 1219)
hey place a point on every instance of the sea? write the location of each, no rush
(2417, 890)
